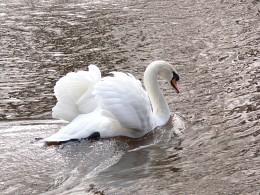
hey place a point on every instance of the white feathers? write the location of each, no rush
(113, 106)
(124, 97)
(74, 93)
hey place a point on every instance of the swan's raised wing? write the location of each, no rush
(125, 98)
(72, 89)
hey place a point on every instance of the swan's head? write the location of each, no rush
(168, 73)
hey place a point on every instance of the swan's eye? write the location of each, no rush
(175, 76)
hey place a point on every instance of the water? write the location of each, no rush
(210, 145)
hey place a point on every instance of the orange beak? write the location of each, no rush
(175, 85)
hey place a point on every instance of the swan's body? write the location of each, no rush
(111, 106)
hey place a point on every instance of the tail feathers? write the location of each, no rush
(58, 138)
(81, 127)
(69, 91)
(73, 85)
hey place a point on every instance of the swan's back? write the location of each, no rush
(124, 97)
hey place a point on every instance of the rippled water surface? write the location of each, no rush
(210, 145)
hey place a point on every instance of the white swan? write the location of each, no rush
(111, 106)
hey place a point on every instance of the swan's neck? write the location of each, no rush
(160, 107)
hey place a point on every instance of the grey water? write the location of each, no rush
(211, 144)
